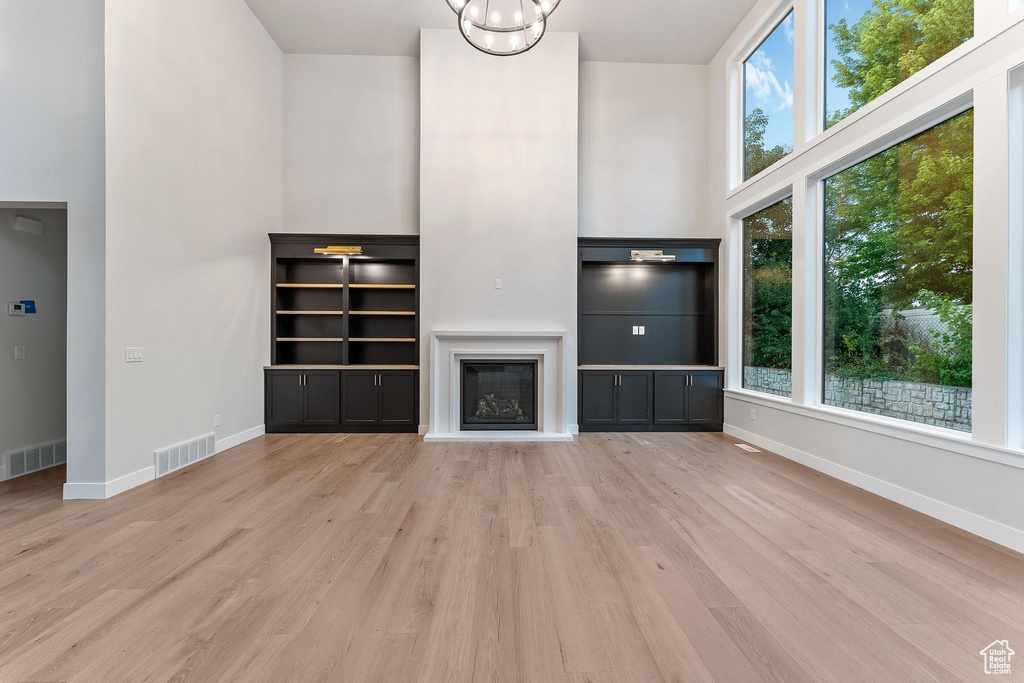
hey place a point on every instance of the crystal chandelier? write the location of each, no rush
(503, 27)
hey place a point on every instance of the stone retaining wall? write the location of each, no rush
(931, 404)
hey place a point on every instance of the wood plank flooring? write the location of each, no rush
(621, 557)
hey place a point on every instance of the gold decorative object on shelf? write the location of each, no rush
(339, 251)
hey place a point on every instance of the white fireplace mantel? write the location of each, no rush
(449, 348)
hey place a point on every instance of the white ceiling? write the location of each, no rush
(656, 31)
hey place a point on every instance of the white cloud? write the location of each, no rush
(764, 86)
(787, 27)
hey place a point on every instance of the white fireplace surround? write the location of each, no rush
(449, 349)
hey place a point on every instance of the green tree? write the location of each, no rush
(755, 157)
(893, 41)
(768, 287)
(899, 226)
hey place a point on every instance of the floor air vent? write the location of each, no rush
(184, 454)
(35, 458)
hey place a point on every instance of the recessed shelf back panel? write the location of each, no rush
(310, 271)
(667, 340)
(329, 353)
(310, 299)
(383, 299)
(310, 326)
(382, 352)
(383, 272)
(382, 326)
(647, 288)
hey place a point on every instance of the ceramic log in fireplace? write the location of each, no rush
(499, 395)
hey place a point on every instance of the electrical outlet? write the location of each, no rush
(216, 420)
(133, 354)
(753, 415)
(19, 353)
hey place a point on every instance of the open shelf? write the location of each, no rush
(383, 312)
(311, 312)
(383, 286)
(297, 285)
(310, 339)
(409, 340)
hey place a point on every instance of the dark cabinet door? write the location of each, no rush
(285, 399)
(670, 389)
(634, 398)
(598, 397)
(323, 398)
(360, 404)
(705, 398)
(397, 398)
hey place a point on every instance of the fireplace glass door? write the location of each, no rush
(499, 395)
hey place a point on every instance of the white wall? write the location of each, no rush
(194, 184)
(51, 85)
(643, 150)
(351, 159)
(973, 482)
(33, 409)
(499, 189)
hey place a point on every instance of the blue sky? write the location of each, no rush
(768, 75)
(852, 10)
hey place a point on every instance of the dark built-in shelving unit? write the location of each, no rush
(345, 310)
(341, 314)
(666, 379)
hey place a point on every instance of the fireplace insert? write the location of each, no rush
(499, 395)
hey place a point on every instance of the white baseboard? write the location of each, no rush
(3, 472)
(574, 429)
(968, 521)
(130, 481)
(84, 491)
(239, 438)
(98, 491)
(424, 429)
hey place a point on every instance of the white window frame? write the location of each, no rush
(898, 135)
(737, 90)
(980, 73)
(769, 200)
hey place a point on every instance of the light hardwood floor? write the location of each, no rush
(632, 557)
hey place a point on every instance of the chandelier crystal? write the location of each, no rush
(503, 27)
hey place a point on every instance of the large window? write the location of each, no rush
(768, 299)
(768, 101)
(871, 45)
(899, 277)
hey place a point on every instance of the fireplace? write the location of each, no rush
(499, 395)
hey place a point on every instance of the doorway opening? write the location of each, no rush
(33, 347)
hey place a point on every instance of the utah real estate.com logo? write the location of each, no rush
(997, 657)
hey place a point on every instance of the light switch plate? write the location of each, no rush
(498, 284)
(636, 329)
(643, 330)
(19, 353)
(133, 354)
